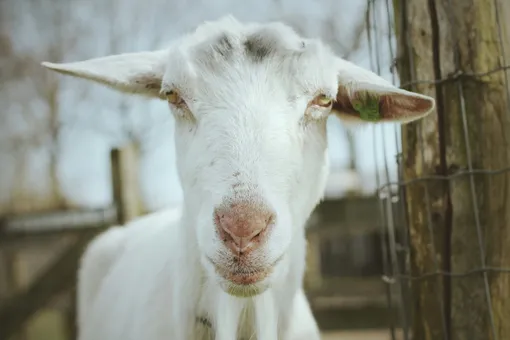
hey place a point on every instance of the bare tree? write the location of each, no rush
(33, 116)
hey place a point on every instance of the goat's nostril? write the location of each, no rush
(242, 228)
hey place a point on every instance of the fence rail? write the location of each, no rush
(33, 225)
(59, 276)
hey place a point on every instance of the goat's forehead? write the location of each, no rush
(215, 49)
(227, 36)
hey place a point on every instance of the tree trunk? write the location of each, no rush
(428, 206)
(487, 120)
(54, 134)
(468, 132)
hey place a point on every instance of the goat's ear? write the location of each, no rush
(364, 96)
(136, 73)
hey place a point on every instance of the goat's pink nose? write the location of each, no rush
(243, 226)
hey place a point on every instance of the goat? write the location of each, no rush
(250, 102)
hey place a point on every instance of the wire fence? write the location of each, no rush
(400, 279)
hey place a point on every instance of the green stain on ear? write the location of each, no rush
(368, 107)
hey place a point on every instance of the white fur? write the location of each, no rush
(249, 132)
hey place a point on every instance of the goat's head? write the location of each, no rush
(250, 103)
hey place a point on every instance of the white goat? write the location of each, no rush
(250, 103)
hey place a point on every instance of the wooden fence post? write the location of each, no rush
(125, 182)
(313, 275)
(466, 217)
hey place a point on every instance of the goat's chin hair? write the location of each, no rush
(231, 312)
(266, 317)
(227, 316)
(245, 291)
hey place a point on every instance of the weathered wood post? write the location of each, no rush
(461, 224)
(313, 274)
(125, 182)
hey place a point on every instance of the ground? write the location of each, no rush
(358, 335)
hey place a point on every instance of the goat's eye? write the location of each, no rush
(174, 98)
(319, 107)
(322, 100)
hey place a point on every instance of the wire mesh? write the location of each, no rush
(399, 279)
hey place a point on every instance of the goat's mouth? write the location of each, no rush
(243, 281)
(243, 275)
(244, 291)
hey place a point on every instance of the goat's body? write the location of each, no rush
(140, 282)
